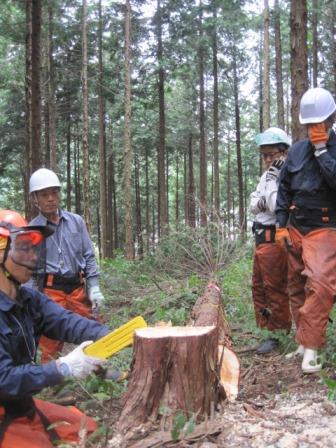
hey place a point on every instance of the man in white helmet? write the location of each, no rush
(306, 221)
(269, 281)
(71, 276)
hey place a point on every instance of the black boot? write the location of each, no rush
(267, 346)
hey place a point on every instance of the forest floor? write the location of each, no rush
(277, 405)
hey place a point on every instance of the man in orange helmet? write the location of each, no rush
(26, 315)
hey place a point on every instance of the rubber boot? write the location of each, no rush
(298, 352)
(310, 361)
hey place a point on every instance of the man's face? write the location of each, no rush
(270, 153)
(48, 200)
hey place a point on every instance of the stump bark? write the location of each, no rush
(174, 368)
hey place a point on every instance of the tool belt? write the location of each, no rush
(314, 216)
(61, 283)
(263, 234)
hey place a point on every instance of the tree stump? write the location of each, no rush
(174, 368)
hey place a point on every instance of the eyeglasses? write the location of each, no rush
(266, 155)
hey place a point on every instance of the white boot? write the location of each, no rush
(298, 352)
(310, 363)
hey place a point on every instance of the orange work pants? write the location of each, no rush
(77, 302)
(312, 283)
(66, 422)
(269, 287)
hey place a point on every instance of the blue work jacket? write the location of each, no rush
(22, 322)
(307, 182)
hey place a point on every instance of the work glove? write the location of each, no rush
(282, 237)
(77, 364)
(96, 297)
(274, 170)
(262, 204)
(318, 135)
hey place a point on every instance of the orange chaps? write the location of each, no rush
(312, 283)
(269, 287)
(66, 423)
(77, 302)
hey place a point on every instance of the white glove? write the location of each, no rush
(79, 364)
(95, 296)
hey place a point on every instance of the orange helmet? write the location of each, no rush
(10, 219)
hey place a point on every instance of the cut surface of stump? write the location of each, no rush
(174, 369)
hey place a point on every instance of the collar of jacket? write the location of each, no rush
(6, 303)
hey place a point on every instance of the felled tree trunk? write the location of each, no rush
(208, 310)
(174, 368)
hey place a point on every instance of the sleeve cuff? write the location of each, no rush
(92, 281)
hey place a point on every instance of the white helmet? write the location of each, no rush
(316, 105)
(273, 136)
(43, 178)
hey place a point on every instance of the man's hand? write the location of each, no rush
(282, 237)
(318, 135)
(95, 297)
(274, 170)
(77, 364)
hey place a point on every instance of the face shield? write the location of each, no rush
(27, 247)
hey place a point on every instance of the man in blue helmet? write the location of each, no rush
(269, 280)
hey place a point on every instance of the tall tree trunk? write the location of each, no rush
(278, 67)
(167, 185)
(36, 85)
(147, 201)
(238, 144)
(191, 186)
(163, 211)
(77, 171)
(28, 99)
(51, 92)
(85, 131)
(228, 190)
(177, 193)
(299, 65)
(333, 47)
(110, 208)
(138, 209)
(68, 168)
(266, 71)
(128, 156)
(315, 9)
(215, 114)
(185, 187)
(261, 125)
(203, 154)
(102, 139)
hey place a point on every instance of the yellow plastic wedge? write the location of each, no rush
(115, 341)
